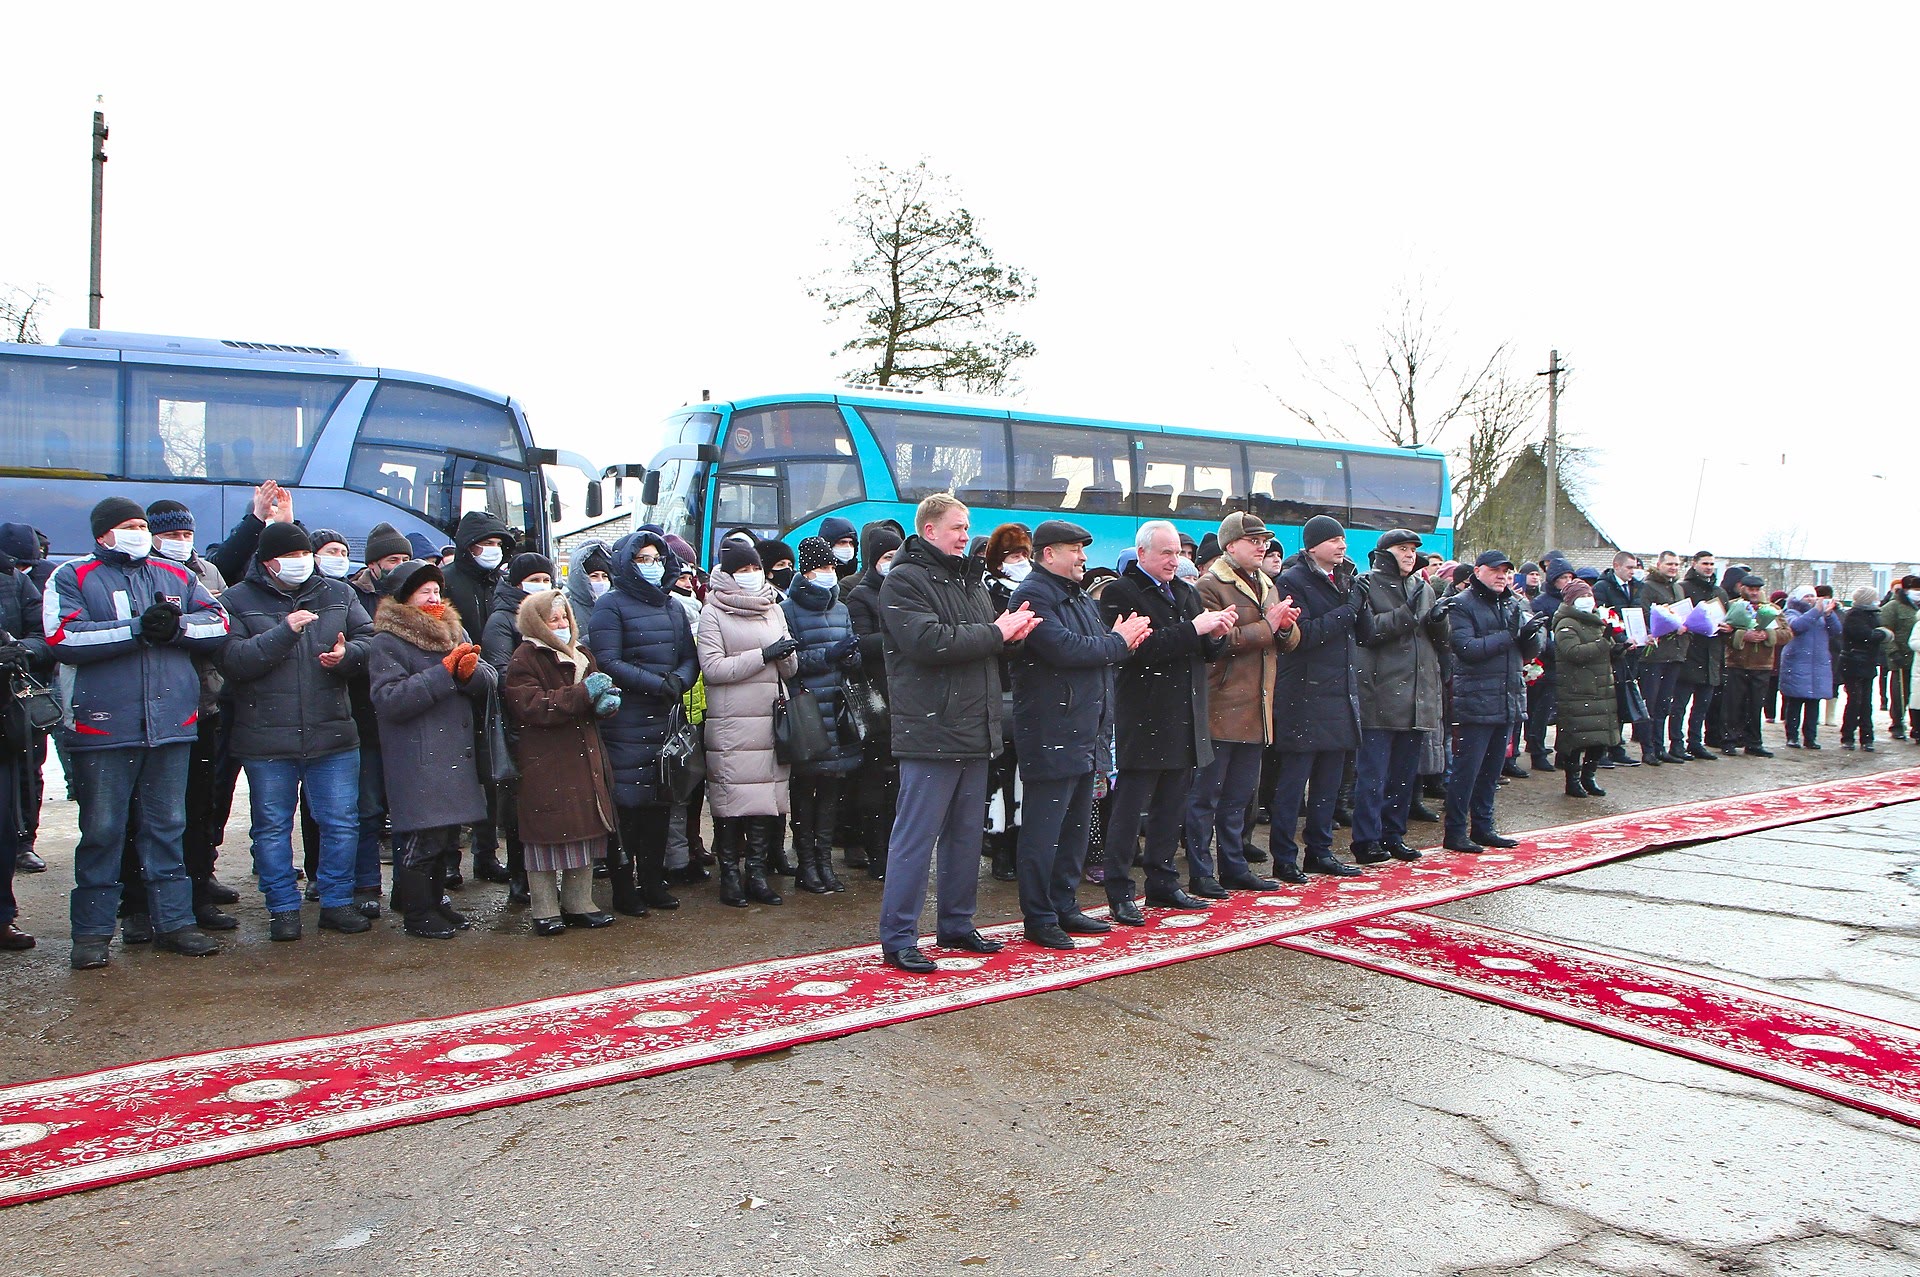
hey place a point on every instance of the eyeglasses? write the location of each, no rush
(648, 557)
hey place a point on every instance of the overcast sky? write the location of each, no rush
(1708, 208)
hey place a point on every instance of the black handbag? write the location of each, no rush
(683, 759)
(799, 728)
(867, 703)
(500, 765)
(31, 711)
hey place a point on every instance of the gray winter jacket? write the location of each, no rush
(1399, 665)
(426, 718)
(285, 703)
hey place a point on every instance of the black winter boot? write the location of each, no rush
(1574, 788)
(1589, 762)
(1005, 852)
(626, 887)
(762, 832)
(416, 897)
(650, 878)
(727, 850)
(806, 847)
(517, 874)
(824, 812)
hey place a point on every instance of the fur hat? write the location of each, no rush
(113, 512)
(1008, 538)
(815, 554)
(168, 516)
(734, 557)
(385, 540)
(282, 538)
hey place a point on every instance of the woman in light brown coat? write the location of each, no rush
(745, 652)
(554, 698)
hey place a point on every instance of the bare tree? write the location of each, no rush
(20, 313)
(925, 290)
(1501, 420)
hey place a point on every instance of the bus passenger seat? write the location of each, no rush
(1102, 499)
(1156, 501)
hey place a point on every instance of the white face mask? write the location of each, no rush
(885, 566)
(135, 545)
(488, 556)
(294, 569)
(826, 579)
(1584, 604)
(333, 565)
(597, 588)
(563, 636)
(1015, 569)
(179, 549)
(1913, 596)
(535, 587)
(843, 554)
(751, 582)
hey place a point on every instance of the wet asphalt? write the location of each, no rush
(1259, 1112)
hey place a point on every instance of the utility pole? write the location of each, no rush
(1552, 457)
(99, 194)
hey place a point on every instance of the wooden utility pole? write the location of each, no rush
(1552, 456)
(99, 195)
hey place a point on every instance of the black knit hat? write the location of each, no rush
(113, 512)
(282, 538)
(168, 516)
(1320, 528)
(735, 557)
(771, 552)
(525, 565)
(410, 576)
(882, 541)
(385, 540)
(328, 536)
(597, 560)
(815, 554)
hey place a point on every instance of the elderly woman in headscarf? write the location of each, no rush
(555, 698)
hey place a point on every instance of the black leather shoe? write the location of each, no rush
(1126, 913)
(1343, 817)
(1249, 882)
(1207, 888)
(220, 893)
(1702, 754)
(136, 928)
(188, 942)
(1255, 856)
(345, 919)
(208, 918)
(1399, 850)
(12, 938)
(1289, 874)
(89, 953)
(909, 960)
(1515, 770)
(549, 926)
(1175, 899)
(1672, 756)
(1084, 924)
(284, 925)
(1369, 853)
(1424, 814)
(1487, 838)
(1050, 938)
(29, 862)
(1332, 868)
(487, 867)
(972, 941)
(1467, 845)
(597, 918)
(431, 927)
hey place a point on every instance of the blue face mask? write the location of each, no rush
(652, 573)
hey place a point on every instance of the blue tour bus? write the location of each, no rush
(780, 463)
(203, 421)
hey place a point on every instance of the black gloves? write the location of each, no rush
(14, 658)
(779, 649)
(675, 688)
(1532, 626)
(846, 652)
(160, 623)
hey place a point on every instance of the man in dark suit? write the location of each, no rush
(1161, 730)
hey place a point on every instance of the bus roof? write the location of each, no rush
(983, 406)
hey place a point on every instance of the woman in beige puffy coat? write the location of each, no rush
(745, 652)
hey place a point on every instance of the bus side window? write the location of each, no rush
(937, 452)
(1291, 485)
(1071, 468)
(1395, 492)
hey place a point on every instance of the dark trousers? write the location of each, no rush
(1540, 694)
(1054, 816)
(1746, 692)
(1221, 804)
(1478, 752)
(1658, 685)
(1156, 797)
(1314, 777)
(1386, 770)
(1899, 696)
(13, 788)
(1687, 723)
(937, 822)
(1801, 718)
(34, 771)
(1857, 718)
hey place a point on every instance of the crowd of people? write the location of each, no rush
(986, 696)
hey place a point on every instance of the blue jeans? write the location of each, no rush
(1479, 751)
(107, 782)
(1384, 777)
(1315, 777)
(1222, 791)
(941, 803)
(332, 782)
(373, 816)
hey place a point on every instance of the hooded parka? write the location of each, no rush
(639, 635)
(1588, 717)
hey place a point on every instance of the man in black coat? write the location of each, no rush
(1703, 668)
(943, 643)
(1160, 714)
(1316, 702)
(1062, 719)
(1619, 588)
(1555, 571)
(1492, 638)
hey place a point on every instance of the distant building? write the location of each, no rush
(1513, 517)
(608, 527)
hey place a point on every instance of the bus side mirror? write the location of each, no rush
(707, 452)
(553, 507)
(594, 508)
(650, 488)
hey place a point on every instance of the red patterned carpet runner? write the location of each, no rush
(1863, 1062)
(66, 1134)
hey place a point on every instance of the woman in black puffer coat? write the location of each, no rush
(640, 636)
(877, 783)
(828, 650)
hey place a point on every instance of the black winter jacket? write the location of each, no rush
(1705, 661)
(20, 616)
(1160, 694)
(1316, 700)
(500, 636)
(943, 656)
(1063, 681)
(285, 704)
(469, 586)
(640, 634)
(1488, 656)
(1863, 644)
(819, 621)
